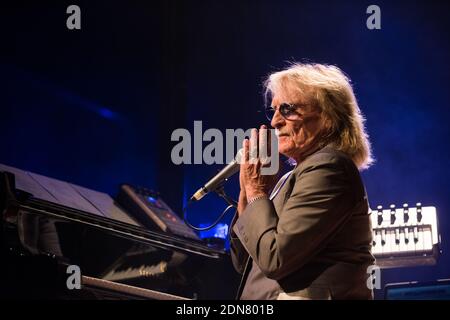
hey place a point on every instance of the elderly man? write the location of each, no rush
(309, 237)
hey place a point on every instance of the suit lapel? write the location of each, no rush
(280, 192)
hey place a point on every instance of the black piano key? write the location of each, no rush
(416, 235)
(383, 237)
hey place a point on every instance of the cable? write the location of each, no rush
(231, 204)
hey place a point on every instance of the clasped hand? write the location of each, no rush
(252, 182)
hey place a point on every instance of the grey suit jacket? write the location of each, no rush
(313, 239)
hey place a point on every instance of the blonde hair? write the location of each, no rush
(330, 89)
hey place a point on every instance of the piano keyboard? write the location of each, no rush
(406, 236)
(137, 272)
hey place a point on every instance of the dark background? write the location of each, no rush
(97, 106)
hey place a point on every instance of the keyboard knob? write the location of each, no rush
(392, 206)
(405, 213)
(379, 215)
(419, 211)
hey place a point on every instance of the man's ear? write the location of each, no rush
(326, 123)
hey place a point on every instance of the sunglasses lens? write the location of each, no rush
(288, 111)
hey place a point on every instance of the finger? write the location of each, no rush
(245, 151)
(253, 146)
(263, 146)
(272, 144)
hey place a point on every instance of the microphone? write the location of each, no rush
(231, 169)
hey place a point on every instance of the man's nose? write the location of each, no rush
(277, 120)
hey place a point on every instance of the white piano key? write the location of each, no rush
(386, 219)
(418, 240)
(377, 248)
(394, 245)
(401, 218)
(412, 217)
(427, 238)
(385, 243)
(403, 247)
(410, 245)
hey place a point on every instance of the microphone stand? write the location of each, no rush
(221, 192)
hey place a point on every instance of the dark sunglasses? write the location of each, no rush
(287, 111)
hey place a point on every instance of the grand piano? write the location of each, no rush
(48, 225)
